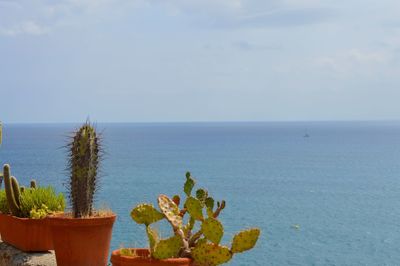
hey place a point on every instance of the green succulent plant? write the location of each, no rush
(202, 246)
(28, 202)
(84, 159)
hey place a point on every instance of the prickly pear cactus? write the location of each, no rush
(202, 246)
(84, 159)
(245, 240)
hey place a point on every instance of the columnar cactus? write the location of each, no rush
(84, 157)
(12, 191)
(202, 246)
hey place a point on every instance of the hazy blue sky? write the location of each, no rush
(199, 60)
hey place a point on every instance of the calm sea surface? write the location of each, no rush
(341, 186)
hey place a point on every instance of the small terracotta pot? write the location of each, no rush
(143, 259)
(81, 241)
(29, 235)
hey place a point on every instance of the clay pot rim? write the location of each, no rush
(63, 220)
(116, 255)
(22, 218)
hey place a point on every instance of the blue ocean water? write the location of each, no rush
(341, 186)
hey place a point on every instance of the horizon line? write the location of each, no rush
(214, 122)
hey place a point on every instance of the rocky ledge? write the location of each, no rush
(10, 256)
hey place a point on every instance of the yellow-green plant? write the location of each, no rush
(3, 202)
(21, 201)
(40, 201)
(203, 246)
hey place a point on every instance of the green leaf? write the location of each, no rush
(212, 230)
(146, 214)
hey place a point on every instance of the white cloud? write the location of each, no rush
(353, 61)
(26, 27)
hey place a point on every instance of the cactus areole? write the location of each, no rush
(83, 163)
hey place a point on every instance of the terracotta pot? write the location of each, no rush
(29, 235)
(81, 241)
(143, 259)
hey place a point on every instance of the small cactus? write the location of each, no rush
(202, 246)
(14, 191)
(33, 183)
(84, 160)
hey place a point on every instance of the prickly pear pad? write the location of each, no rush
(153, 237)
(245, 240)
(170, 210)
(212, 230)
(146, 214)
(194, 208)
(201, 194)
(167, 248)
(189, 184)
(210, 254)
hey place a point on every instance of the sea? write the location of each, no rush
(322, 193)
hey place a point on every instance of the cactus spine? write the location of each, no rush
(84, 157)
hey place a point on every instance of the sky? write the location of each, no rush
(199, 60)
